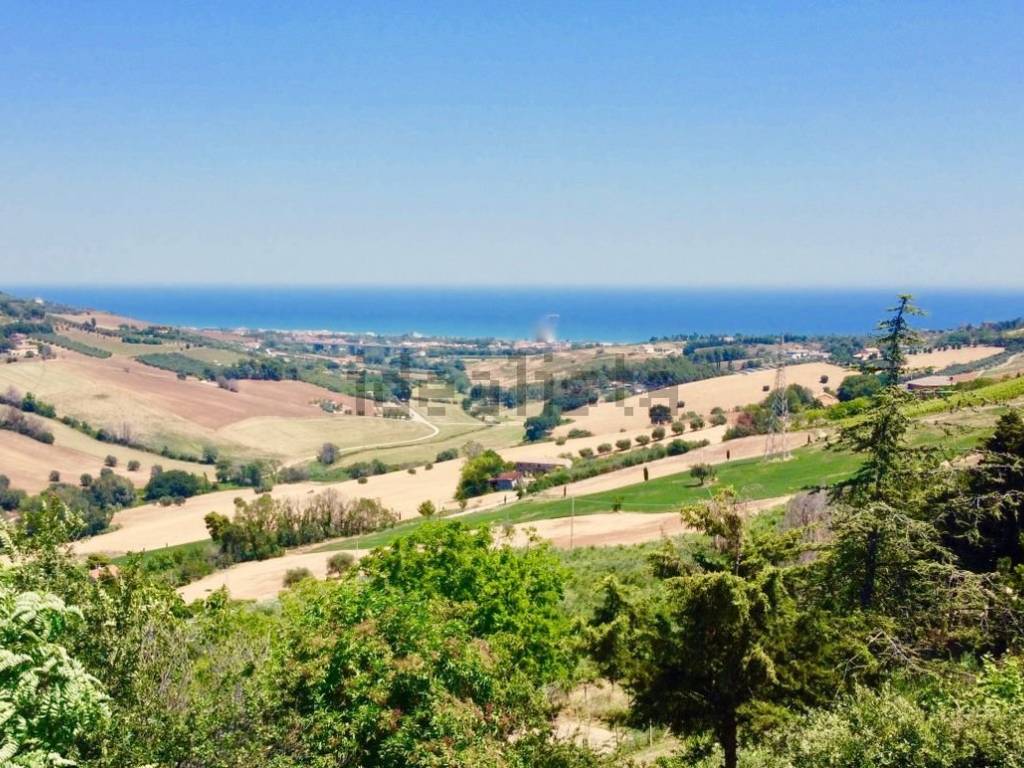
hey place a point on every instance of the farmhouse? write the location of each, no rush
(508, 481)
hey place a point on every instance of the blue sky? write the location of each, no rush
(513, 143)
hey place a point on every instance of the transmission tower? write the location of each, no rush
(775, 446)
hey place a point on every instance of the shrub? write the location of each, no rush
(327, 454)
(642, 439)
(624, 444)
(54, 476)
(411, 470)
(134, 465)
(427, 509)
(85, 480)
(340, 562)
(697, 422)
(446, 455)
(575, 433)
(110, 460)
(362, 480)
(604, 448)
(658, 433)
(296, 575)
(678, 427)
(587, 453)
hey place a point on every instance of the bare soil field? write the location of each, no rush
(103, 319)
(260, 580)
(153, 526)
(725, 392)
(942, 358)
(608, 529)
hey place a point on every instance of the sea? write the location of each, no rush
(570, 314)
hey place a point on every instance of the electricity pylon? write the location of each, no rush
(775, 445)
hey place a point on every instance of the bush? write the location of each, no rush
(642, 439)
(446, 455)
(54, 476)
(110, 460)
(678, 427)
(296, 575)
(697, 422)
(327, 454)
(85, 480)
(134, 465)
(362, 480)
(587, 453)
(604, 448)
(427, 509)
(575, 433)
(340, 562)
(658, 433)
(624, 444)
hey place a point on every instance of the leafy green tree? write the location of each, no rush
(660, 414)
(702, 472)
(173, 483)
(858, 385)
(540, 426)
(437, 658)
(427, 509)
(477, 473)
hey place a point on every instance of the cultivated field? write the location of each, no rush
(161, 409)
(103, 319)
(942, 358)
(727, 392)
(28, 462)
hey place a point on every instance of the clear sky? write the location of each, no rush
(826, 143)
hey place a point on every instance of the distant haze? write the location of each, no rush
(789, 144)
